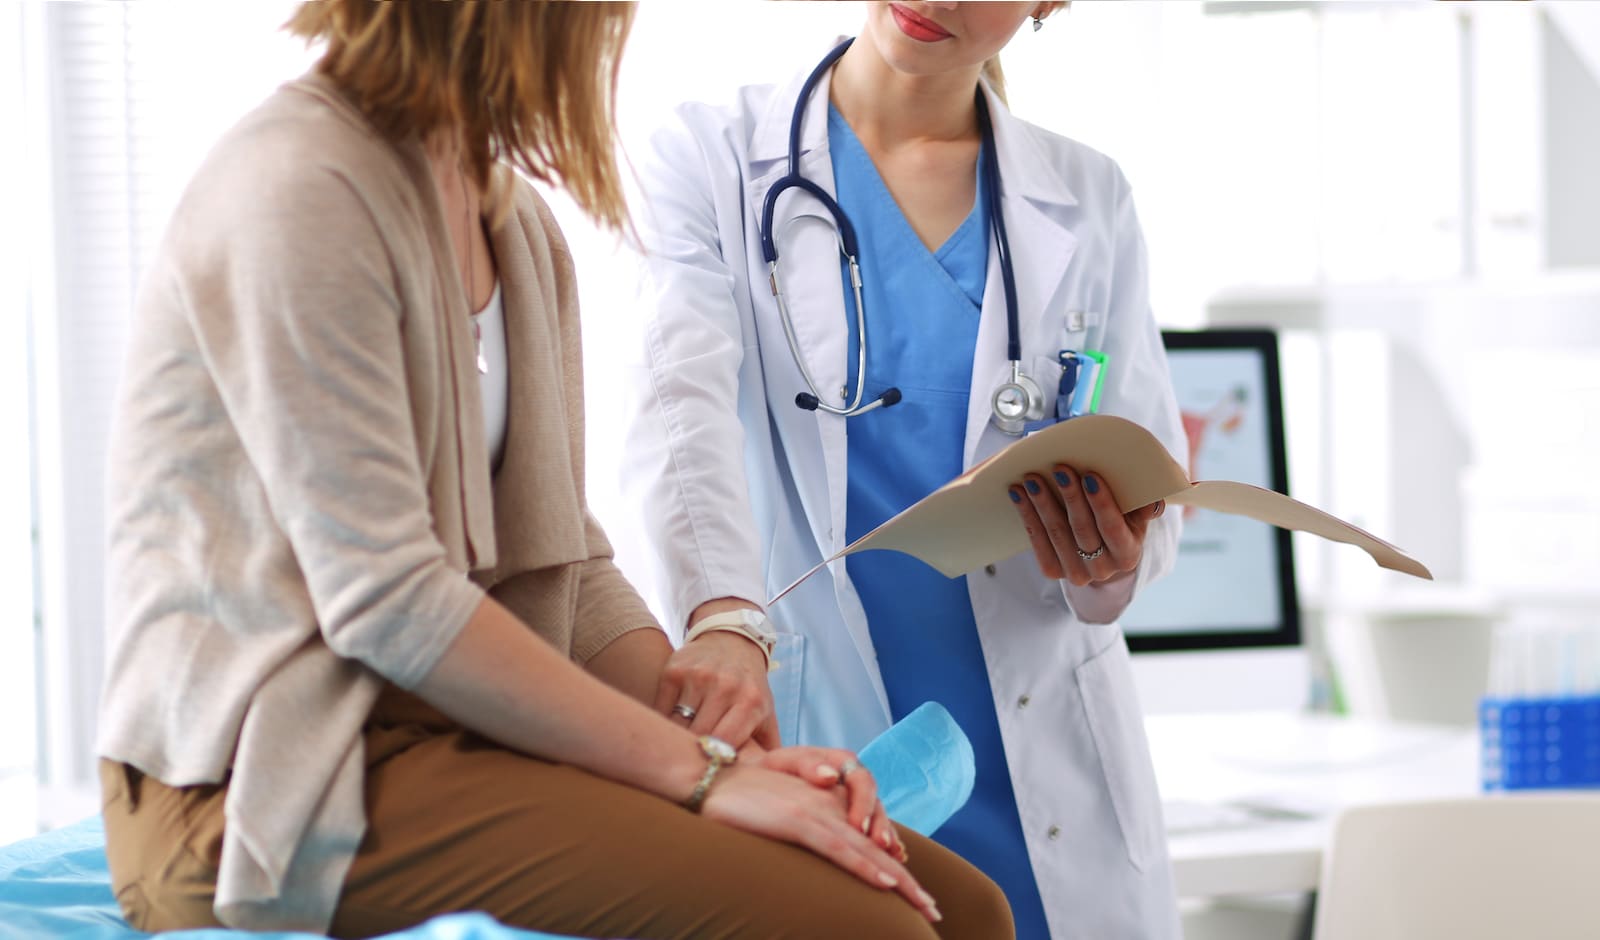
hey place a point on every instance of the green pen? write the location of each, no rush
(1099, 378)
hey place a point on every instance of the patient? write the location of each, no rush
(372, 660)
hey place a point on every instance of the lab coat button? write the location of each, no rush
(1023, 701)
(989, 570)
(1054, 833)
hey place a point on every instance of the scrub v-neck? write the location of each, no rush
(922, 312)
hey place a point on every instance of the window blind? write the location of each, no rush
(17, 730)
(135, 95)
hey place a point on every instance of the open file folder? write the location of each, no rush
(970, 521)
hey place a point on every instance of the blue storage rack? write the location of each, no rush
(1540, 743)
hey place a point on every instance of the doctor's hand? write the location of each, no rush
(1077, 531)
(717, 685)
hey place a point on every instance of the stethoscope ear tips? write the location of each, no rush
(808, 401)
(891, 397)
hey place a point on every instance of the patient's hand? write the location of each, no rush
(722, 678)
(840, 772)
(791, 808)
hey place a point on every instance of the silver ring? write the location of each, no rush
(686, 712)
(850, 766)
(1091, 556)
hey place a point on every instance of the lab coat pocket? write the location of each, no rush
(1047, 372)
(785, 682)
(1109, 701)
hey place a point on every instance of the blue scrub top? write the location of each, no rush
(922, 329)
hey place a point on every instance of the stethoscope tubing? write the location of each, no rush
(813, 400)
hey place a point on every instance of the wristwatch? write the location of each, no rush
(719, 754)
(753, 625)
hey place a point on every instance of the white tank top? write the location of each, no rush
(489, 326)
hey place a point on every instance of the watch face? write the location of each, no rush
(718, 749)
(761, 626)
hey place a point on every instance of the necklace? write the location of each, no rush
(472, 273)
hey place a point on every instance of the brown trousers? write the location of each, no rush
(457, 823)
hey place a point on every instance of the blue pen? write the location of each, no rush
(1069, 382)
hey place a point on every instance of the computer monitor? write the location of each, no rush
(1232, 586)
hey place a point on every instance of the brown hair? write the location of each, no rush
(531, 82)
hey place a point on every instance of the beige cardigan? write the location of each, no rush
(299, 485)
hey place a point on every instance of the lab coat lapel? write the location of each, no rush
(808, 264)
(1035, 201)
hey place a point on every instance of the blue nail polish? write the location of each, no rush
(1062, 480)
(1032, 487)
(1015, 496)
(1091, 484)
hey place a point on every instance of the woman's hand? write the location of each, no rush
(720, 679)
(803, 811)
(840, 772)
(1076, 529)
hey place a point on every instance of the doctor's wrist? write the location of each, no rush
(735, 644)
(750, 625)
(720, 605)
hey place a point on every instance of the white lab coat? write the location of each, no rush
(741, 491)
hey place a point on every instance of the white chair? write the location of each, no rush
(1502, 867)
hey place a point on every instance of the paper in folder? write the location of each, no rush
(970, 521)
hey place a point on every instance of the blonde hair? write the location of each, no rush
(531, 82)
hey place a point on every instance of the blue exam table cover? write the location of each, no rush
(56, 886)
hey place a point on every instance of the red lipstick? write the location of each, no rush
(916, 26)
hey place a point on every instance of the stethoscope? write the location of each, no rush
(1015, 402)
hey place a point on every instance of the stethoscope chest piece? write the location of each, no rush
(1017, 402)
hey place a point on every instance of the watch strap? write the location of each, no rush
(714, 765)
(739, 621)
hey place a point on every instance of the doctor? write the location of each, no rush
(783, 411)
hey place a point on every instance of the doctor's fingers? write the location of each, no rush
(1123, 543)
(733, 715)
(697, 690)
(1139, 519)
(676, 699)
(1044, 550)
(766, 734)
(1088, 535)
(1069, 522)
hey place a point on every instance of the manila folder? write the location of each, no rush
(970, 521)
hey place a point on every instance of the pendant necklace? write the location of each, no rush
(472, 295)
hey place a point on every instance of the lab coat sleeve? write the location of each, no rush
(685, 474)
(1138, 384)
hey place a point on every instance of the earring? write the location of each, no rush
(1038, 24)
